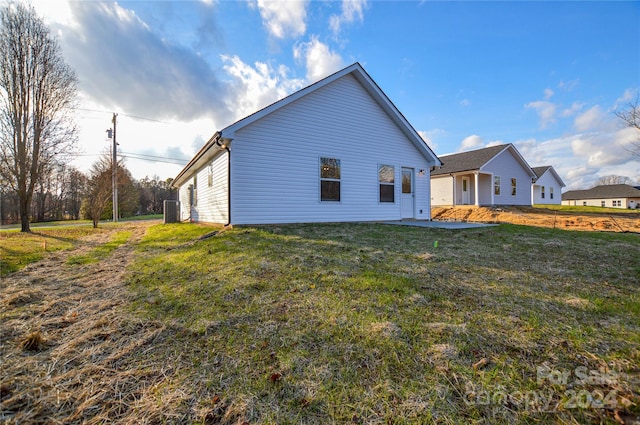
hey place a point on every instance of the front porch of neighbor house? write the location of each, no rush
(465, 188)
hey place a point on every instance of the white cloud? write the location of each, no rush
(351, 10)
(429, 136)
(320, 61)
(572, 110)
(568, 85)
(580, 159)
(548, 93)
(283, 19)
(465, 102)
(546, 111)
(628, 95)
(603, 148)
(471, 142)
(593, 119)
(149, 77)
(253, 88)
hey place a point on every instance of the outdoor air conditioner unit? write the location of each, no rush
(171, 211)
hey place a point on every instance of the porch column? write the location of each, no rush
(455, 202)
(493, 190)
(475, 186)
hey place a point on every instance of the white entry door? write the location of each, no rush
(466, 199)
(407, 198)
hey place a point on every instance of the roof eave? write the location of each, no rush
(185, 173)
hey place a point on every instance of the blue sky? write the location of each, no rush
(545, 76)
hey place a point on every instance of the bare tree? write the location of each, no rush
(37, 91)
(629, 114)
(613, 179)
(98, 189)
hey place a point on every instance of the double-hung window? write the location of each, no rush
(329, 179)
(386, 183)
(550, 192)
(542, 192)
(496, 185)
(513, 187)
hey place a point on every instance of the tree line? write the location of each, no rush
(66, 193)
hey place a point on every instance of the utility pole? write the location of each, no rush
(114, 179)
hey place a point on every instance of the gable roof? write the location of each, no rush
(603, 192)
(222, 138)
(476, 159)
(543, 169)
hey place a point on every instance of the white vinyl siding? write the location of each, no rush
(552, 187)
(275, 160)
(442, 190)
(212, 201)
(507, 166)
(624, 202)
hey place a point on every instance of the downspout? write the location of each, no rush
(224, 145)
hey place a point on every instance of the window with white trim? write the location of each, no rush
(513, 186)
(542, 192)
(550, 192)
(602, 203)
(386, 183)
(496, 185)
(329, 179)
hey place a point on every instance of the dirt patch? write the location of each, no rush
(66, 340)
(540, 217)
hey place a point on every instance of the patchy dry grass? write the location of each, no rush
(367, 323)
(19, 249)
(334, 323)
(102, 250)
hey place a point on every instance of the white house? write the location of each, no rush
(497, 175)
(610, 195)
(547, 186)
(337, 150)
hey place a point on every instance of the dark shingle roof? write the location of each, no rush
(603, 192)
(540, 170)
(466, 161)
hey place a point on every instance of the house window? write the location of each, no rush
(386, 183)
(617, 203)
(602, 203)
(584, 203)
(551, 192)
(210, 176)
(513, 187)
(496, 185)
(542, 192)
(329, 179)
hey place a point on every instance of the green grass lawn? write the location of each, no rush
(586, 209)
(371, 323)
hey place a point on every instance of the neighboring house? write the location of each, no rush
(611, 195)
(547, 186)
(497, 175)
(335, 151)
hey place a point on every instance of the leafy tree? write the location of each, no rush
(37, 91)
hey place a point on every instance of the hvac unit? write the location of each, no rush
(171, 211)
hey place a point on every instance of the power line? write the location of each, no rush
(166, 161)
(122, 114)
